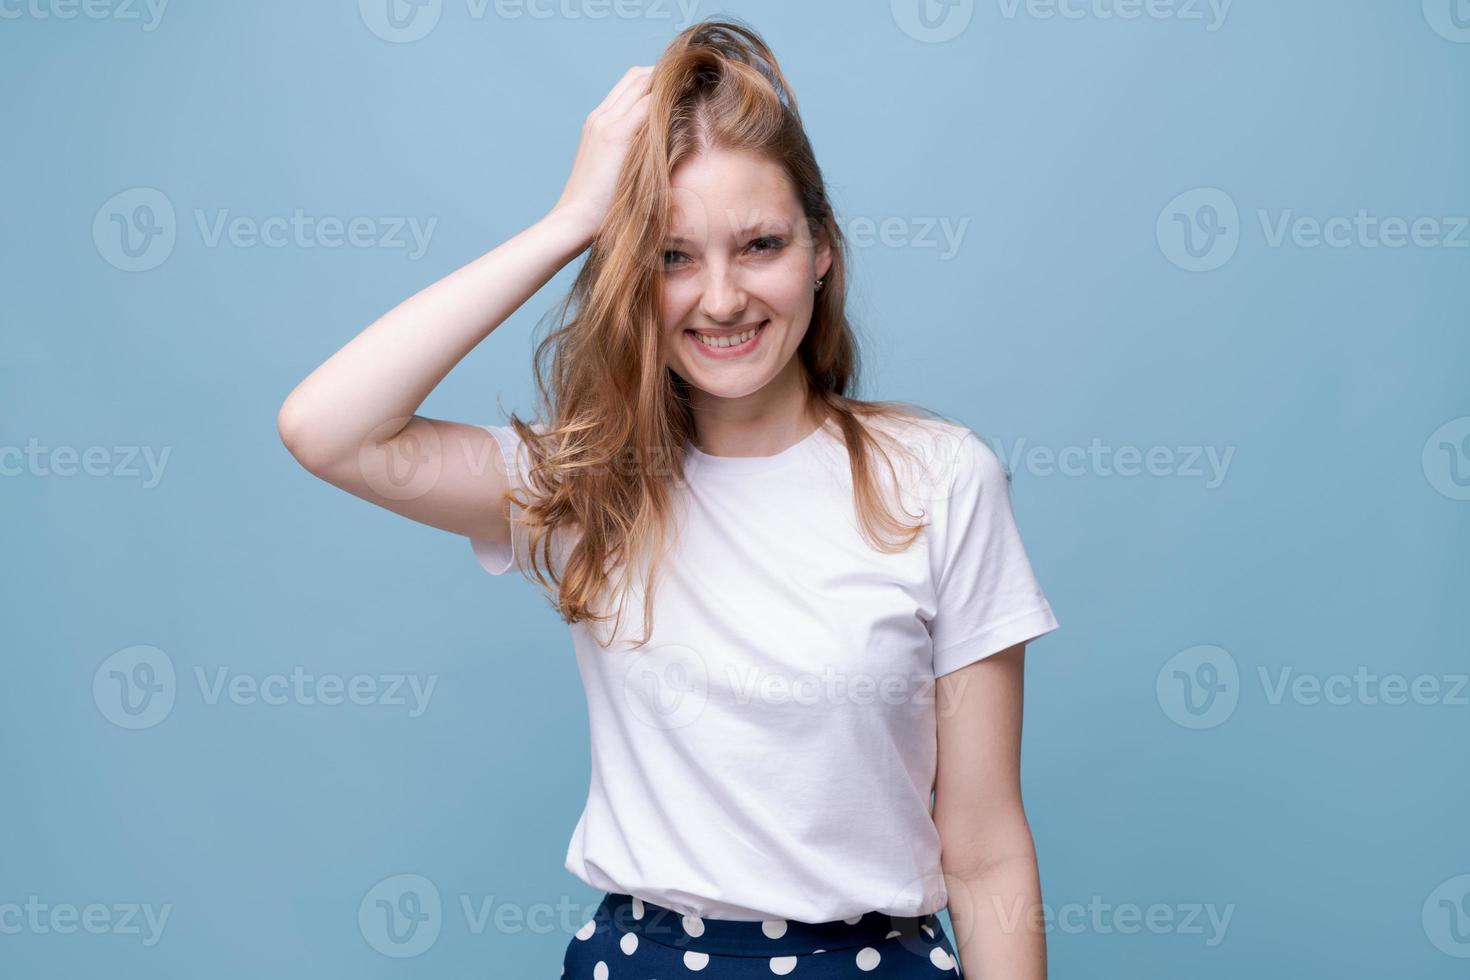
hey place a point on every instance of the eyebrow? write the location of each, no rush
(768, 226)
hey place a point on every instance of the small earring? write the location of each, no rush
(818, 285)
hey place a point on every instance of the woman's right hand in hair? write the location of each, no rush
(354, 420)
(606, 136)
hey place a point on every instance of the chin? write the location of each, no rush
(733, 383)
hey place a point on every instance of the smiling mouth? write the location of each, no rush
(731, 342)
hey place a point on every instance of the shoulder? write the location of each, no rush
(510, 437)
(517, 454)
(953, 457)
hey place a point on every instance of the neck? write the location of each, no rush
(762, 423)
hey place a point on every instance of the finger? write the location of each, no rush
(636, 87)
(629, 78)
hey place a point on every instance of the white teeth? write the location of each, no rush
(739, 338)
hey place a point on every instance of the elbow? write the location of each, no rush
(967, 853)
(976, 862)
(294, 431)
(982, 866)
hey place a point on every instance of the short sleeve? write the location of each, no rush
(514, 460)
(987, 598)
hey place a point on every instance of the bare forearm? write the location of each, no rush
(373, 385)
(998, 923)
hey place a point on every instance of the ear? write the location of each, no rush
(823, 257)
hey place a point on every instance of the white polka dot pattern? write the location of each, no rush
(636, 941)
(941, 959)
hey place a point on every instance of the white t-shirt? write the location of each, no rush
(770, 753)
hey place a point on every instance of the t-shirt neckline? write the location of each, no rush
(755, 464)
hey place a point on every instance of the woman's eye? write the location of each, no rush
(763, 245)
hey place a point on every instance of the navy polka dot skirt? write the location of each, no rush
(629, 939)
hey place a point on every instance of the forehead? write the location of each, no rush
(722, 192)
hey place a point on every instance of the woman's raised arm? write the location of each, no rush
(352, 421)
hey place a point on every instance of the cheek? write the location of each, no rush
(788, 283)
(674, 305)
(789, 292)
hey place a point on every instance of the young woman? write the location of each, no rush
(812, 744)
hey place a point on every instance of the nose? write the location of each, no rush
(723, 297)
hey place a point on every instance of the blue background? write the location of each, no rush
(1334, 835)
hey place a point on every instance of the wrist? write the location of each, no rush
(572, 223)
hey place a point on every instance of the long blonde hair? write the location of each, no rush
(612, 449)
